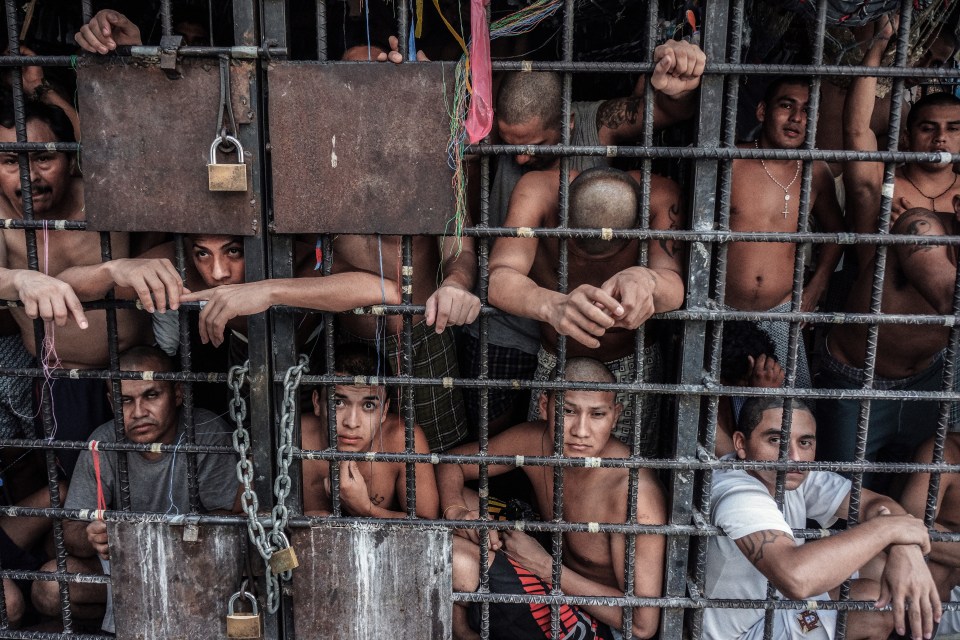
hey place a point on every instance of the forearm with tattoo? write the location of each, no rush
(754, 544)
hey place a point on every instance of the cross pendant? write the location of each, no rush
(786, 205)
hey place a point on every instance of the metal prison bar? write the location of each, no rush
(263, 27)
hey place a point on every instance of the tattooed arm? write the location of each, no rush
(930, 269)
(821, 565)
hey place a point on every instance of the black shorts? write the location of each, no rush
(526, 621)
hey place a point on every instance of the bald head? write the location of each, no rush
(606, 198)
(524, 96)
(145, 358)
(587, 370)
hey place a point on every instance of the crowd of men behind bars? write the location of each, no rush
(614, 288)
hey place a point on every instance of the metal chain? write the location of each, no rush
(248, 499)
(267, 544)
(281, 485)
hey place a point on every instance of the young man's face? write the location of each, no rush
(360, 413)
(49, 171)
(764, 444)
(937, 128)
(218, 259)
(151, 410)
(532, 132)
(588, 419)
(784, 118)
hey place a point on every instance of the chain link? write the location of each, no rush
(281, 485)
(266, 543)
(248, 499)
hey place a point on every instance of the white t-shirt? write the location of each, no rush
(741, 505)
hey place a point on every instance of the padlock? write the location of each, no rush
(243, 625)
(283, 560)
(227, 177)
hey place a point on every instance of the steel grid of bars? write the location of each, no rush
(699, 366)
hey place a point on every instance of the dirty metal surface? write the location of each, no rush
(167, 589)
(370, 583)
(360, 148)
(146, 144)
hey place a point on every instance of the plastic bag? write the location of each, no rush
(480, 114)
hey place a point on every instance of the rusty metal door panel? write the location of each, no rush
(360, 148)
(146, 143)
(165, 587)
(373, 582)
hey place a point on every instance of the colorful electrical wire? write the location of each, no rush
(522, 21)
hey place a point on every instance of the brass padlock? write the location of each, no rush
(243, 625)
(227, 177)
(284, 560)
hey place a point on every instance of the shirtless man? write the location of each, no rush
(609, 296)
(917, 280)
(57, 194)
(356, 282)
(833, 95)
(759, 544)
(766, 197)
(933, 125)
(529, 112)
(374, 489)
(593, 563)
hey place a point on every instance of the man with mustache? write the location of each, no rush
(74, 257)
(766, 197)
(158, 480)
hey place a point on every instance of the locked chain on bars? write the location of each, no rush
(248, 499)
(275, 542)
(281, 485)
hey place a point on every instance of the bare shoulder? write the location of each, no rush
(663, 186)
(951, 450)
(395, 435)
(534, 198)
(524, 439)
(922, 222)
(538, 182)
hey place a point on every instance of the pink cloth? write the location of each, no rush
(480, 114)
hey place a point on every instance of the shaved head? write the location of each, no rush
(527, 95)
(603, 197)
(587, 370)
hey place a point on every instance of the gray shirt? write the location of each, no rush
(160, 485)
